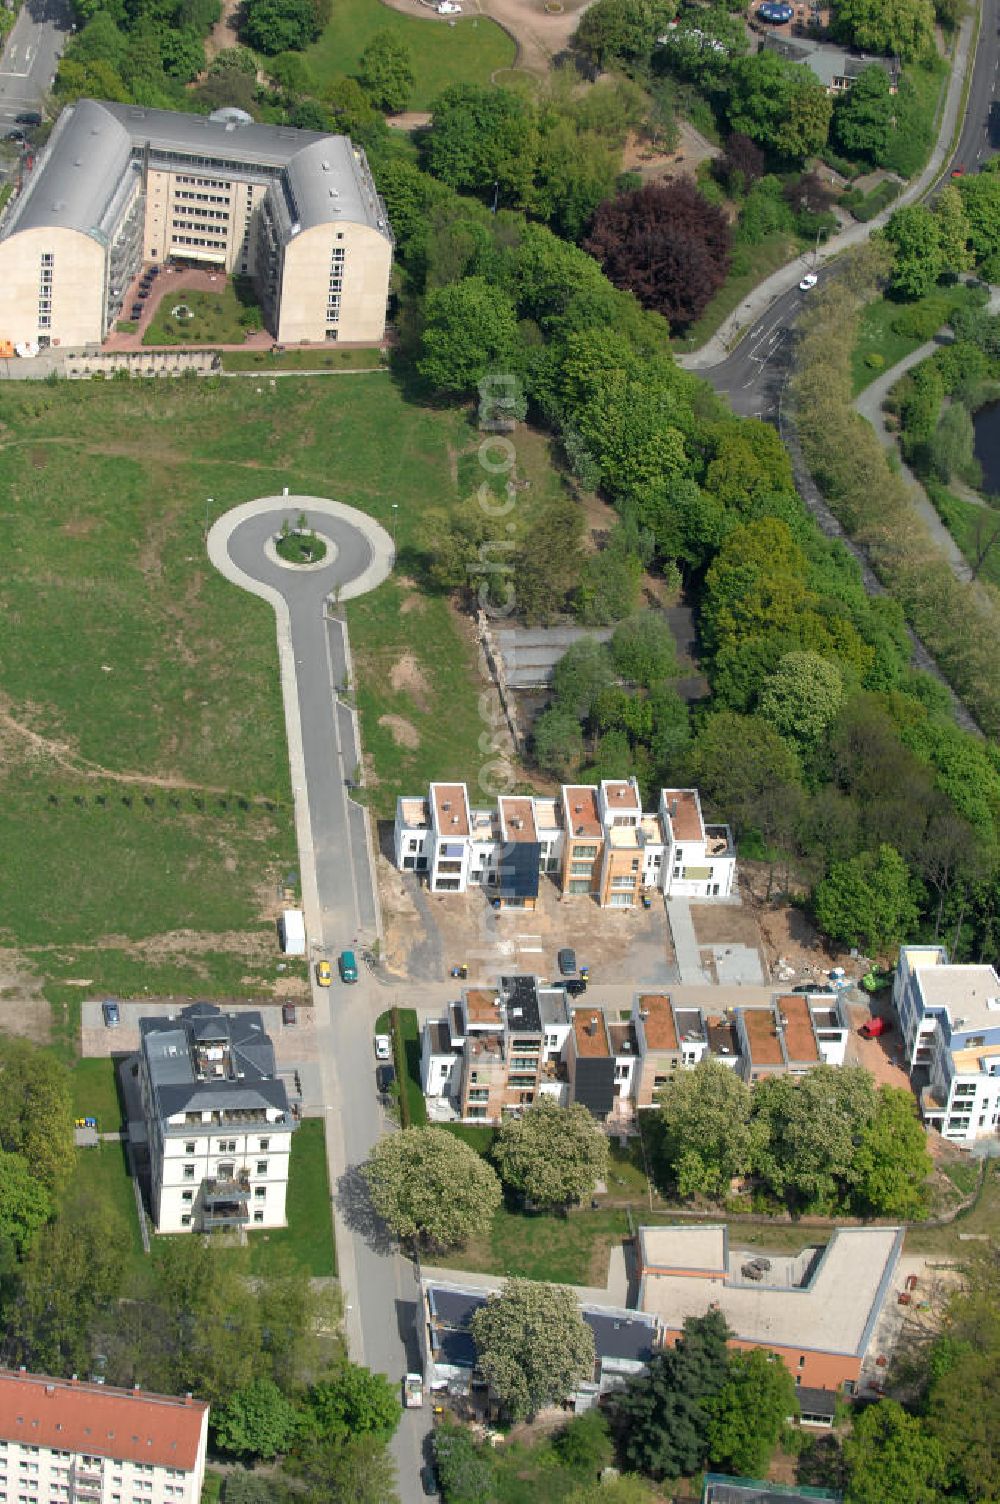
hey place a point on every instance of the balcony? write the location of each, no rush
(226, 1201)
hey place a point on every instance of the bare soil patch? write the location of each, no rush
(654, 165)
(402, 731)
(23, 1009)
(407, 677)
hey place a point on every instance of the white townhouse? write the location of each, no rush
(218, 1125)
(949, 1016)
(66, 1442)
(591, 839)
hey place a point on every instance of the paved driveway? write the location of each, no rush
(335, 859)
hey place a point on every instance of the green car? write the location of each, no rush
(347, 966)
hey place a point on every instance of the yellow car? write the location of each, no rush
(324, 975)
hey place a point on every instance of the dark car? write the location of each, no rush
(112, 1016)
(17, 136)
(567, 962)
(385, 1079)
(815, 991)
(137, 310)
(28, 117)
(429, 1480)
(288, 1014)
(575, 986)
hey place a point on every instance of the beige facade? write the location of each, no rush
(119, 186)
(349, 264)
(51, 279)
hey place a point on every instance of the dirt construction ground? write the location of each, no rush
(428, 933)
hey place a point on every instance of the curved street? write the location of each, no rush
(338, 894)
(747, 359)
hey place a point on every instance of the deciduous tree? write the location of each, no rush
(802, 697)
(748, 1413)
(862, 117)
(353, 1401)
(255, 1421)
(915, 235)
(643, 649)
(431, 1188)
(890, 1165)
(471, 328)
(533, 1345)
(868, 900)
(891, 1458)
(25, 1204)
(36, 1117)
(553, 1156)
(706, 1134)
(900, 28)
(386, 71)
(665, 243)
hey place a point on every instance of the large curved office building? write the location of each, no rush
(118, 186)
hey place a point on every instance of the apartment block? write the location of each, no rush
(119, 185)
(216, 1123)
(949, 1017)
(66, 1442)
(592, 840)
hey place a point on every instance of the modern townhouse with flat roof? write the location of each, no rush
(496, 1050)
(593, 839)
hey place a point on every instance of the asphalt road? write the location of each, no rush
(752, 377)
(31, 56)
(975, 145)
(380, 1285)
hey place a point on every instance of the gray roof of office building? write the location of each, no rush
(440, 1036)
(88, 155)
(91, 150)
(167, 1045)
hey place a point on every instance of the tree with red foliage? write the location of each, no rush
(740, 165)
(667, 244)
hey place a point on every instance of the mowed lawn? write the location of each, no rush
(467, 50)
(144, 776)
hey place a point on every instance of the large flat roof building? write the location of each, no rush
(818, 1310)
(119, 185)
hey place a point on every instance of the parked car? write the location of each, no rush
(874, 1028)
(288, 1014)
(16, 135)
(137, 310)
(383, 1047)
(348, 966)
(567, 961)
(575, 986)
(385, 1079)
(413, 1390)
(808, 282)
(112, 1015)
(429, 1480)
(814, 990)
(324, 973)
(28, 117)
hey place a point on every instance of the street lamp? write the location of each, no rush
(209, 502)
(395, 510)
